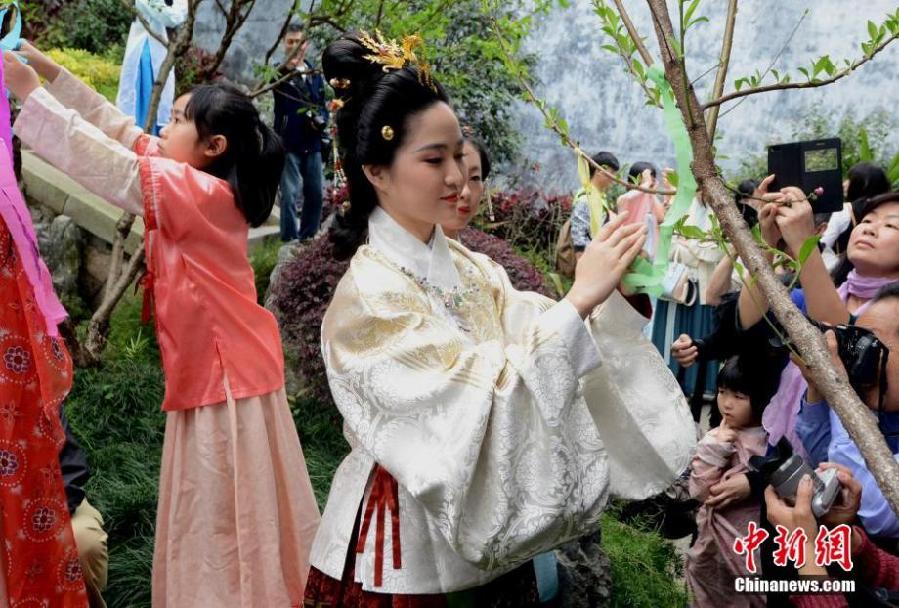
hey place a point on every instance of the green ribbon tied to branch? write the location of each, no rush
(646, 277)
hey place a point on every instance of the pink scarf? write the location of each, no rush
(17, 218)
(779, 418)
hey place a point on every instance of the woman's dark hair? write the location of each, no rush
(756, 380)
(744, 190)
(866, 180)
(638, 168)
(254, 158)
(373, 99)
(482, 153)
(887, 292)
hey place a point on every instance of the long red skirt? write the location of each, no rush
(39, 554)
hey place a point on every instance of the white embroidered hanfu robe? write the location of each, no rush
(504, 417)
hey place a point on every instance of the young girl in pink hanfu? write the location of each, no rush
(236, 514)
(712, 564)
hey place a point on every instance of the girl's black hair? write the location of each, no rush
(482, 152)
(758, 381)
(636, 170)
(374, 99)
(887, 292)
(254, 157)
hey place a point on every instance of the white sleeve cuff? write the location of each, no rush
(564, 320)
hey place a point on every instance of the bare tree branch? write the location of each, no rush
(831, 382)
(283, 31)
(727, 44)
(235, 17)
(143, 21)
(632, 32)
(772, 63)
(782, 86)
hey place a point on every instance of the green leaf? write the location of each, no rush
(692, 232)
(807, 248)
(738, 84)
(872, 29)
(688, 14)
(865, 153)
(638, 68)
(697, 21)
(610, 48)
(805, 73)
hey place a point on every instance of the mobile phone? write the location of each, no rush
(809, 165)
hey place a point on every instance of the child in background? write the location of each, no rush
(236, 514)
(712, 564)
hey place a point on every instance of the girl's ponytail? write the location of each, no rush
(254, 158)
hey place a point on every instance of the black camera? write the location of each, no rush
(318, 123)
(863, 355)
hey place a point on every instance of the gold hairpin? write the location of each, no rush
(387, 133)
(392, 55)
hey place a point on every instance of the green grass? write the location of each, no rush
(645, 566)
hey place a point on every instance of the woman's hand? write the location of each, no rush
(684, 351)
(45, 67)
(733, 489)
(606, 258)
(845, 507)
(813, 396)
(768, 224)
(21, 80)
(795, 218)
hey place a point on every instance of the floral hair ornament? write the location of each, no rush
(387, 133)
(393, 55)
(339, 83)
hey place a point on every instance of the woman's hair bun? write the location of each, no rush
(345, 59)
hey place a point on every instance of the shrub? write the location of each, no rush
(306, 285)
(523, 275)
(91, 25)
(528, 219)
(100, 72)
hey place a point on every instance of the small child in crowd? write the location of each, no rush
(743, 391)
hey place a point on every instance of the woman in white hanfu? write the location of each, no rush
(487, 425)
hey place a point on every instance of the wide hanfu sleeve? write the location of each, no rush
(637, 405)
(491, 439)
(62, 137)
(94, 108)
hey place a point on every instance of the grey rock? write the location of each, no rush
(585, 574)
(60, 241)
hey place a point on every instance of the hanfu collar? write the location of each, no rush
(430, 262)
